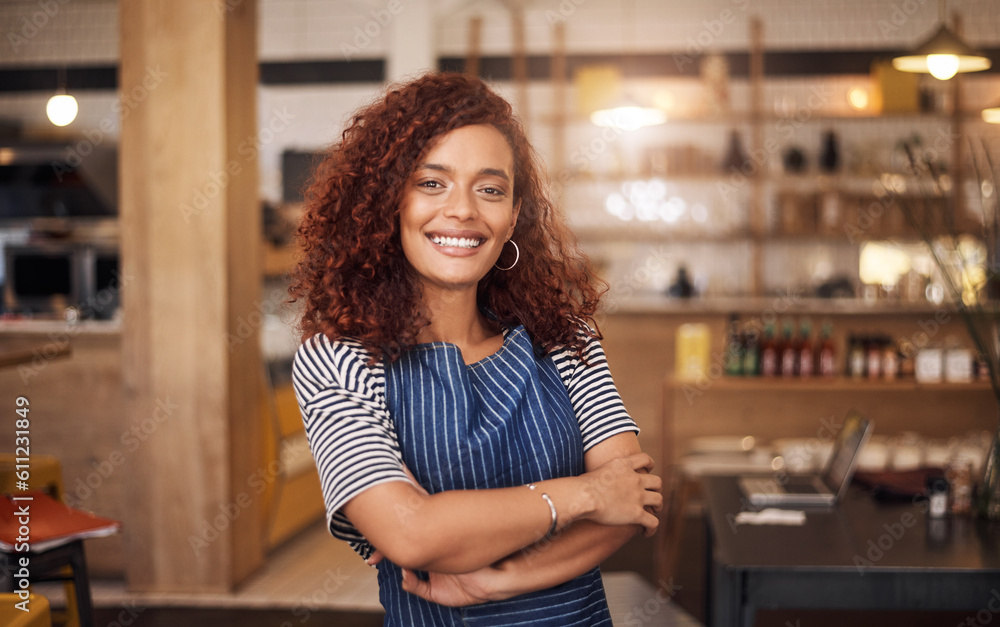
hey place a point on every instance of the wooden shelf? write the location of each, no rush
(820, 181)
(836, 384)
(746, 117)
(760, 205)
(658, 232)
(793, 305)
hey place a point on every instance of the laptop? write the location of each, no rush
(824, 489)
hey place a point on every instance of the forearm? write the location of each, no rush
(464, 530)
(569, 554)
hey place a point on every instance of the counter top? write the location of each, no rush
(38, 326)
(16, 351)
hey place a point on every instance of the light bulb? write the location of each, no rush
(628, 118)
(61, 109)
(858, 98)
(942, 66)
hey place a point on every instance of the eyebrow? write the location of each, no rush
(443, 168)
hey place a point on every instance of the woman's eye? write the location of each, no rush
(429, 184)
(494, 191)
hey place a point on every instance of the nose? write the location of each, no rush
(461, 204)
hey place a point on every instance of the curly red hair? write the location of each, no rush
(354, 278)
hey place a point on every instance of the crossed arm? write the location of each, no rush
(482, 545)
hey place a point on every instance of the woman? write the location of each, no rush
(446, 366)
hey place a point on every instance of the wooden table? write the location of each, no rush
(860, 555)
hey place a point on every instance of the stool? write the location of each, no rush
(46, 474)
(64, 563)
(38, 614)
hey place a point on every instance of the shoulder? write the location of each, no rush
(568, 359)
(322, 363)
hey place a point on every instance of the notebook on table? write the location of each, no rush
(823, 489)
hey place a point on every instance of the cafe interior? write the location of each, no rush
(794, 206)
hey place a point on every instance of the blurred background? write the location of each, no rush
(762, 169)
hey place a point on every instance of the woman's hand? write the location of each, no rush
(453, 590)
(622, 492)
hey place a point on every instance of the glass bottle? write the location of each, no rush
(873, 357)
(827, 352)
(768, 353)
(735, 157)
(855, 358)
(829, 159)
(890, 359)
(959, 475)
(789, 352)
(751, 352)
(806, 357)
(733, 355)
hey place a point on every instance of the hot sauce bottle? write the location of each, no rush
(806, 357)
(827, 352)
(789, 352)
(768, 353)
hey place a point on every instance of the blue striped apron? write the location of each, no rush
(501, 422)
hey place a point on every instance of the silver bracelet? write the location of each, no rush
(552, 508)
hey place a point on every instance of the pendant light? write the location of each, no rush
(992, 115)
(628, 114)
(943, 54)
(62, 108)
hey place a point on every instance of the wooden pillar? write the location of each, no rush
(757, 217)
(190, 223)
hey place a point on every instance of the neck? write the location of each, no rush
(455, 318)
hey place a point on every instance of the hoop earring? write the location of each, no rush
(517, 251)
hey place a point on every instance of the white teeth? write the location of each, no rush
(456, 242)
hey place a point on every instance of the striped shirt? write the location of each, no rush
(507, 420)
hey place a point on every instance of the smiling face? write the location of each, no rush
(458, 207)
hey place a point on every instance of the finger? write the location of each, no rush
(640, 461)
(375, 558)
(415, 585)
(649, 523)
(652, 483)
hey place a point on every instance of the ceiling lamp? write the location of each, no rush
(943, 55)
(62, 108)
(628, 116)
(618, 108)
(992, 115)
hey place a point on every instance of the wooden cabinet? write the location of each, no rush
(640, 344)
(769, 409)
